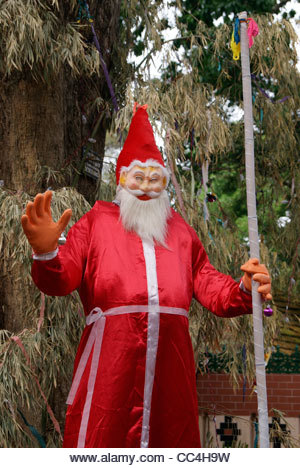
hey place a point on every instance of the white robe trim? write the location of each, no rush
(152, 337)
(46, 256)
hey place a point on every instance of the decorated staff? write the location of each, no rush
(246, 42)
(137, 265)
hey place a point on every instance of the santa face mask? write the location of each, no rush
(144, 202)
(145, 183)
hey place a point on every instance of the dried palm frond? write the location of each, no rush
(50, 342)
(34, 36)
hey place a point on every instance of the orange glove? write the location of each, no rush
(260, 274)
(40, 229)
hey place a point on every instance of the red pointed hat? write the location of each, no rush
(140, 143)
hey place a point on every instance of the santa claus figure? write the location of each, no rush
(137, 265)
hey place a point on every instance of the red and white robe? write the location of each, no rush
(134, 379)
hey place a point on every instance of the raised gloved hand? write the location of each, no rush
(260, 274)
(40, 229)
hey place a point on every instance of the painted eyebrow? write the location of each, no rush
(152, 174)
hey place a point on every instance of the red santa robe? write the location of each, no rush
(134, 381)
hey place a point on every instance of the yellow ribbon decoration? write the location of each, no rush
(236, 48)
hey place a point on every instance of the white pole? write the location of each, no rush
(253, 238)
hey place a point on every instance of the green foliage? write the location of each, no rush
(278, 363)
(209, 11)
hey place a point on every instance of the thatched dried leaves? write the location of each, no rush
(51, 350)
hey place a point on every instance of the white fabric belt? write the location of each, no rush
(97, 318)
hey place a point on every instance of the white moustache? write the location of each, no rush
(140, 193)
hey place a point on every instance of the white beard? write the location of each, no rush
(147, 218)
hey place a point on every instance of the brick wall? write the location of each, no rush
(215, 393)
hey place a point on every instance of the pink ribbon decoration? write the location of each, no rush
(252, 31)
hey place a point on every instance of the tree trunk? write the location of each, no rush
(32, 131)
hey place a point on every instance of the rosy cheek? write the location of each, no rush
(158, 187)
(133, 185)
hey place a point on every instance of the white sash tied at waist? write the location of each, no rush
(97, 319)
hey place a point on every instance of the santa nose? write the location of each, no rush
(145, 186)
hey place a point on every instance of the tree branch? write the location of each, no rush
(163, 43)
